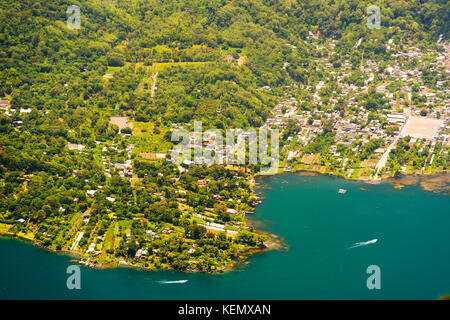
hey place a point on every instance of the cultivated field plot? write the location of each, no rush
(370, 163)
(148, 141)
(420, 127)
(121, 122)
(310, 158)
(165, 65)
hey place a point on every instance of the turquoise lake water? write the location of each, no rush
(319, 226)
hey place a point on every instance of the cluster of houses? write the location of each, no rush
(124, 169)
(355, 123)
(282, 111)
(5, 105)
(218, 149)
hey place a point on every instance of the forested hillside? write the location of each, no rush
(39, 54)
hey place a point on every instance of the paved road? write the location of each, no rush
(382, 162)
(385, 156)
(229, 232)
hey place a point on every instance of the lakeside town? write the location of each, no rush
(369, 117)
(160, 206)
(350, 128)
(410, 110)
(94, 175)
(178, 149)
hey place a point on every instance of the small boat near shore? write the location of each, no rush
(342, 191)
(173, 282)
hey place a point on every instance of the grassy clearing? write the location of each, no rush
(5, 227)
(111, 71)
(125, 225)
(29, 235)
(109, 237)
(164, 65)
(146, 139)
(369, 163)
(73, 221)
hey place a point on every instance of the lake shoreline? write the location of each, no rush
(392, 179)
(316, 265)
(273, 242)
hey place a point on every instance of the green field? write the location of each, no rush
(5, 227)
(146, 140)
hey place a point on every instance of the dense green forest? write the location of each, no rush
(39, 54)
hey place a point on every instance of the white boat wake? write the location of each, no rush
(171, 282)
(360, 244)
